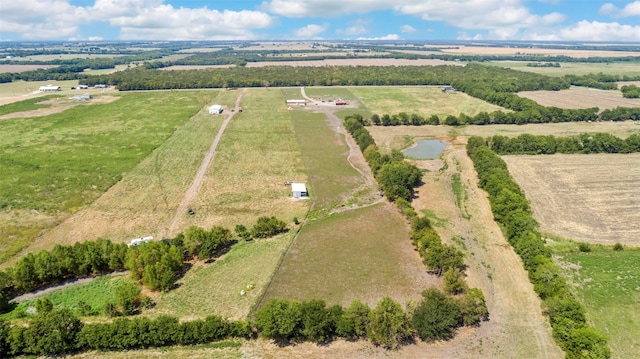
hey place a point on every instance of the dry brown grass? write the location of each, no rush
(580, 97)
(592, 198)
(356, 62)
(488, 50)
(624, 83)
(58, 105)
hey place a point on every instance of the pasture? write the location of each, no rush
(607, 282)
(360, 254)
(95, 147)
(423, 100)
(581, 97)
(592, 198)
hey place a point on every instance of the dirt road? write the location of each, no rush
(191, 193)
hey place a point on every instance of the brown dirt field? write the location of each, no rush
(580, 97)
(23, 68)
(355, 62)
(624, 83)
(482, 50)
(58, 105)
(592, 198)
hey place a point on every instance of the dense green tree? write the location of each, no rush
(318, 325)
(388, 324)
(52, 333)
(453, 281)
(43, 305)
(267, 227)
(436, 317)
(354, 321)
(473, 307)
(280, 320)
(128, 297)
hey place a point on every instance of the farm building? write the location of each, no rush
(82, 97)
(341, 102)
(448, 89)
(138, 241)
(101, 86)
(299, 190)
(48, 88)
(296, 102)
(215, 109)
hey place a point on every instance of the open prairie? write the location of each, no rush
(23, 68)
(591, 198)
(580, 97)
(423, 100)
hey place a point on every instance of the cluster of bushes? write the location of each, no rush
(396, 177)
(630, 91)
(58, 332)
(511, 209)
(156, 264)
(435, 317)
(584, 143)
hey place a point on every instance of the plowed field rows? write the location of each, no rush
(593, 198)
(581, 98)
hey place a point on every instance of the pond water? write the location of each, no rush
(425, 149)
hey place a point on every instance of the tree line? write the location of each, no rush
(155, 264)
(512, 211)
(630, 91)
(527, 144)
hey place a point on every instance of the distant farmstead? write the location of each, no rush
(447, 89)
(299, 190)
(296, 103)
(215, 109)
(49, 88)
(138, 241)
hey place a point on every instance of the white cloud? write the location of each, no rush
(631, 9)
(353, 30)
(310, 31)
(137, 19)
(322, 8)
(386, 37)
(608, 9)
(589, 31)
(408, 29)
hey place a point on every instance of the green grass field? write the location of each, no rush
(350, 255)
(96, 293)
(17, 88)
(425, 101)
(607, 282)
(574, 68)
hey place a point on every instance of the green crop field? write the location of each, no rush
(608, 284)
(425, 101)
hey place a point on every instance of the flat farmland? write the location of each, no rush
(592, 198)
(422, 100)
(96, 147)
(355, 62)
(23, 68)
(580, 97)
(574, 68)
(488, 50)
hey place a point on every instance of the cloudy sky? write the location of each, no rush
(586, 20)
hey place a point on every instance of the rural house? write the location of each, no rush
(299, 190)
(296, 102)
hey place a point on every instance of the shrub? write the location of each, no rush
(618, 247)
(584, 247)
(267, 227)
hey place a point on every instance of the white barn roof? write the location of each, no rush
(298, 187)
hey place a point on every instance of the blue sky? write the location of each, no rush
(558, 20)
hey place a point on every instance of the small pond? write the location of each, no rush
(425, 149)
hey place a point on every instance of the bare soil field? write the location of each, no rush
(592, 198)
(58, 105)
(488, 50)
(23, 68)
(356, 62)
(580, 97)
(625, 83)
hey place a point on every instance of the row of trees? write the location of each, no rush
(583, 143)
(396, 177)
(435, 317)
(155, 264)
(512, 210)
(630, 91)
(58, 332)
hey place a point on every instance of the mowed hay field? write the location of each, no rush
(580, 97)
(607, 282)
(423, 100)
(574, 68)
(591, 198)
